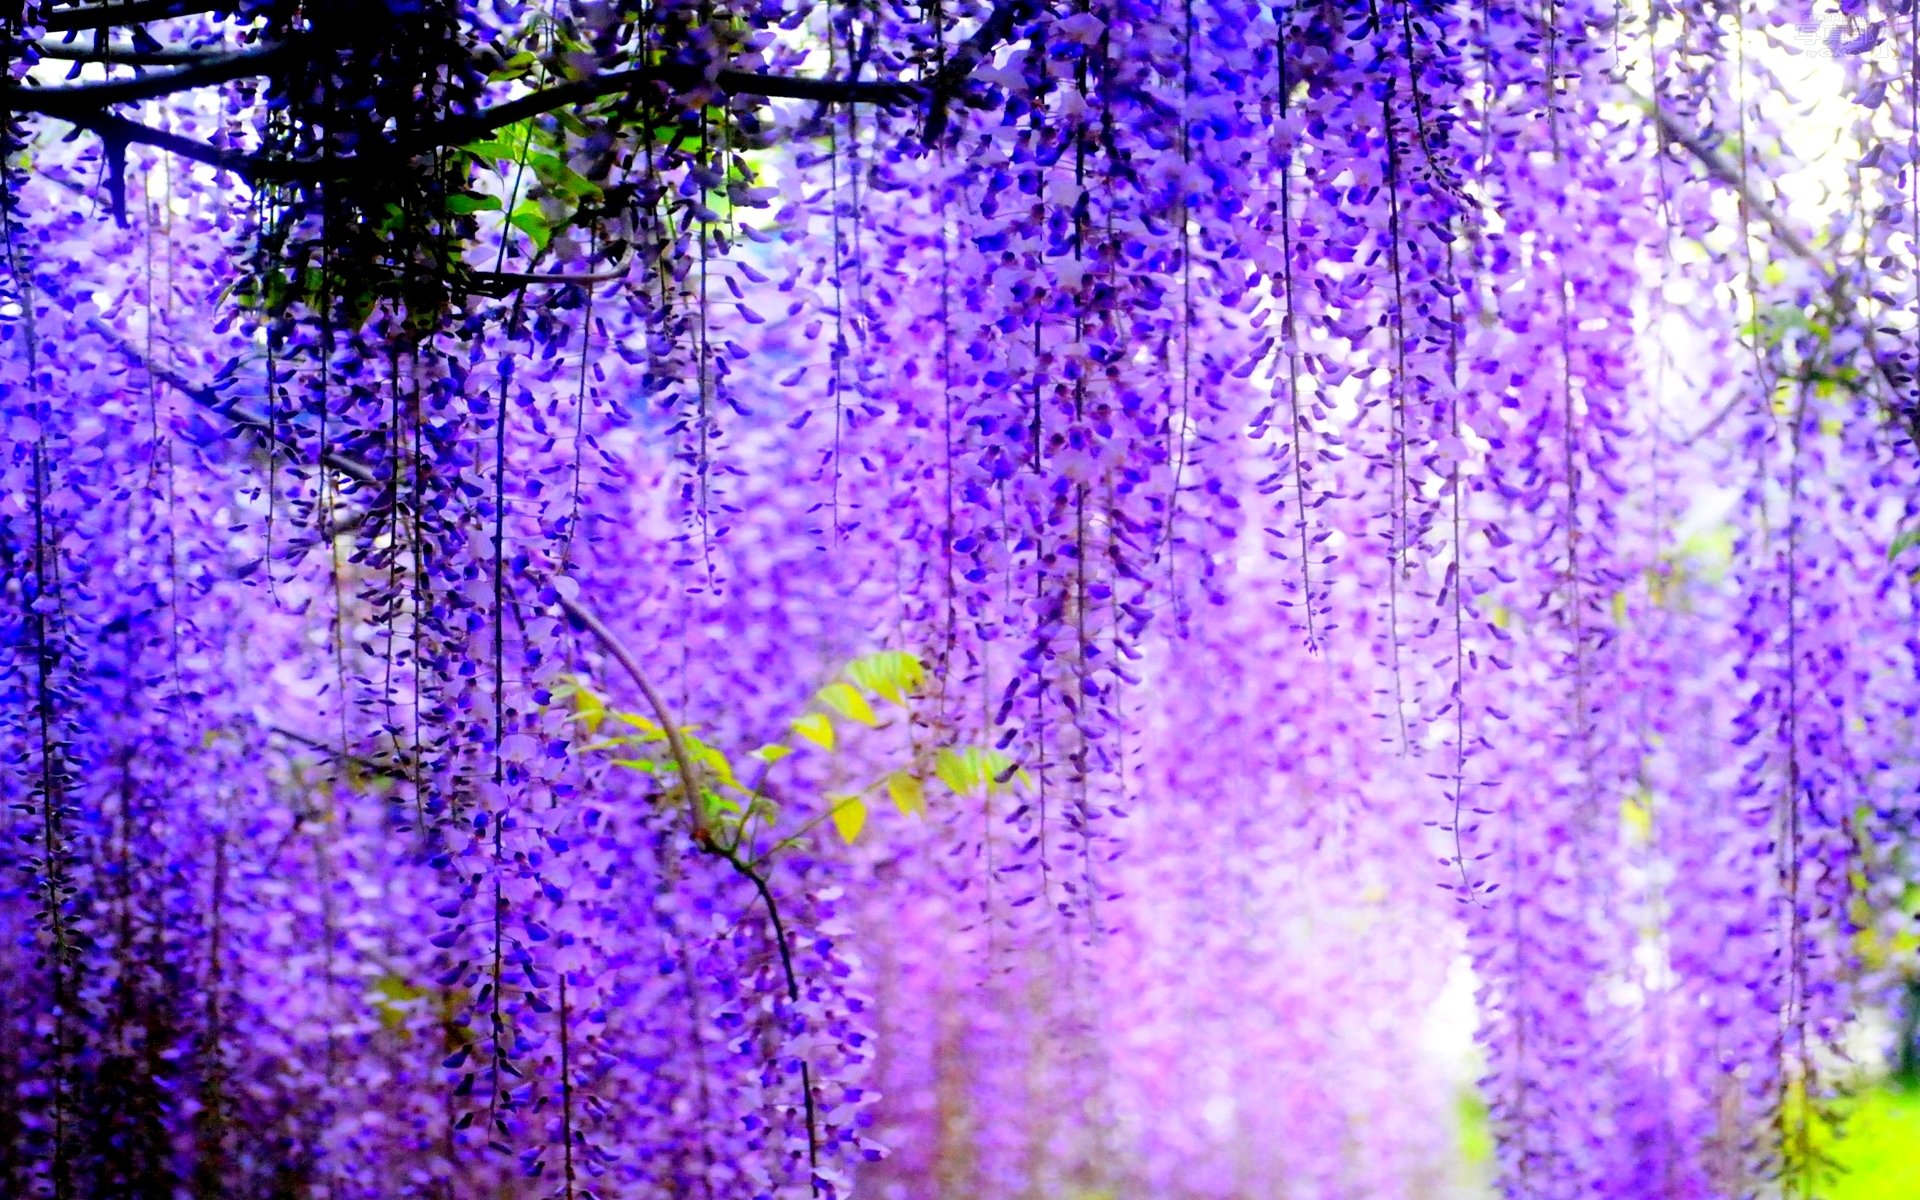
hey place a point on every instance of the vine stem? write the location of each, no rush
(690, 779)
(703, 837)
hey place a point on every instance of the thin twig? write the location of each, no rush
(1830, 275)
(372, 766)
(242, 416)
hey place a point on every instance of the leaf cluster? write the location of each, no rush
(735, 801)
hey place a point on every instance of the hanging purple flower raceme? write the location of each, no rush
(365, 536)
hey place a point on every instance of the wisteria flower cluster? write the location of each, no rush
(934, 598)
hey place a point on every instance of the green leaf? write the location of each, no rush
(714, 761)
(462, 203)
(816, 728)
(908, 793)
(849, 816)
(588, 708)
(649, 729)
(553, 171)
(573, 185)
(528, 219)
(770, 753)
(888, 674)
(393, 999)
(493, 150)
(973, 769)
(1903, 543)
(952, 770)
(514, 68)
(609, 744)
(850, 704)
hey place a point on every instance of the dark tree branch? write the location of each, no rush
(84, 105)
(121, 55)
(136, 12)
(90, 97)
(457, 130)
(251, 167)
(996, 29)
(206, 70)
(505, 283)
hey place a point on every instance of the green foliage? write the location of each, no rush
(848, 702)
(393, 998)
(849, 815)
(727, 807)
(908, 793)
(972, 770)
(815, 728)
(1864, 1145)
(891, 675)
(1476, 1128)
(1906, 541)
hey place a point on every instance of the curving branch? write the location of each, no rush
(967, 57)
(691, 779)
(255, 423)
(457, 130)
(122, 55)
(138, 12)
(205, 71)
(118, 130)
(703, 837)
(85, 106)
(1730, 176)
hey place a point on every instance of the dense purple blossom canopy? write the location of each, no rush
(920, 598)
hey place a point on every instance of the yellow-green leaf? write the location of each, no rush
(952, 771)
(888, 674)
(587, 705)
(650, 729)
(393, 999)
(713, 760)
(976, 769)
(463, 203)
(608, 744)
(816, 728)
(849, 815)
(516, 67)
(908, 793)
(850, 704)
(770, 753)
(528, 219)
